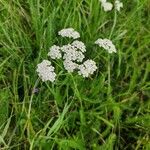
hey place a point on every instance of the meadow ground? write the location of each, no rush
(108, 111)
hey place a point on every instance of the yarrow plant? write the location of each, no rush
(72, 56)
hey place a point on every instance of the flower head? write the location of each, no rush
(46, 71)
(79, 45)
(55, 52)
(79, 56)
(67, 48)
(87, 68)
(69, 32)
(71, 53)
(106, 44)
(69, 65)
(106, 5)
(118, 5)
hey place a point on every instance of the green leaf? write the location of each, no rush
(4, 103)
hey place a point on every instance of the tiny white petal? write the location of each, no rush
(46, 71)
(69, 32)
(54, 52)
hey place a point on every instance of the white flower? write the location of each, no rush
(79, 56)
(87, 68)
(69, 65)
(106, 44)
(69, 32)
(54, 52)
(46, 71)
(71, 53)
(118, 5)
(79, 45)
(106, 5)
(67, 48)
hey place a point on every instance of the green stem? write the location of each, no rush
(108, 67)
(109, 83)
(31, 99)
(114, 24)
(76, 90)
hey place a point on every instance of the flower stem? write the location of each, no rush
(109, 83)
(114, 24)
(31, 99)
(108, 67)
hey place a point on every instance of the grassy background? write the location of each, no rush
(103, 112)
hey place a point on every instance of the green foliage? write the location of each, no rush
(4, 103)
(74, 113)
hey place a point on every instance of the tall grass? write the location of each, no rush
(75, 113)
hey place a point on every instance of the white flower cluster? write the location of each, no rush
(46, 71)
(108, 6)
(69, 32)
(118, 5)
(106, 44)
(72, 55)
(55, 52)
(69, 65)
(79, 45)
(87, 68)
